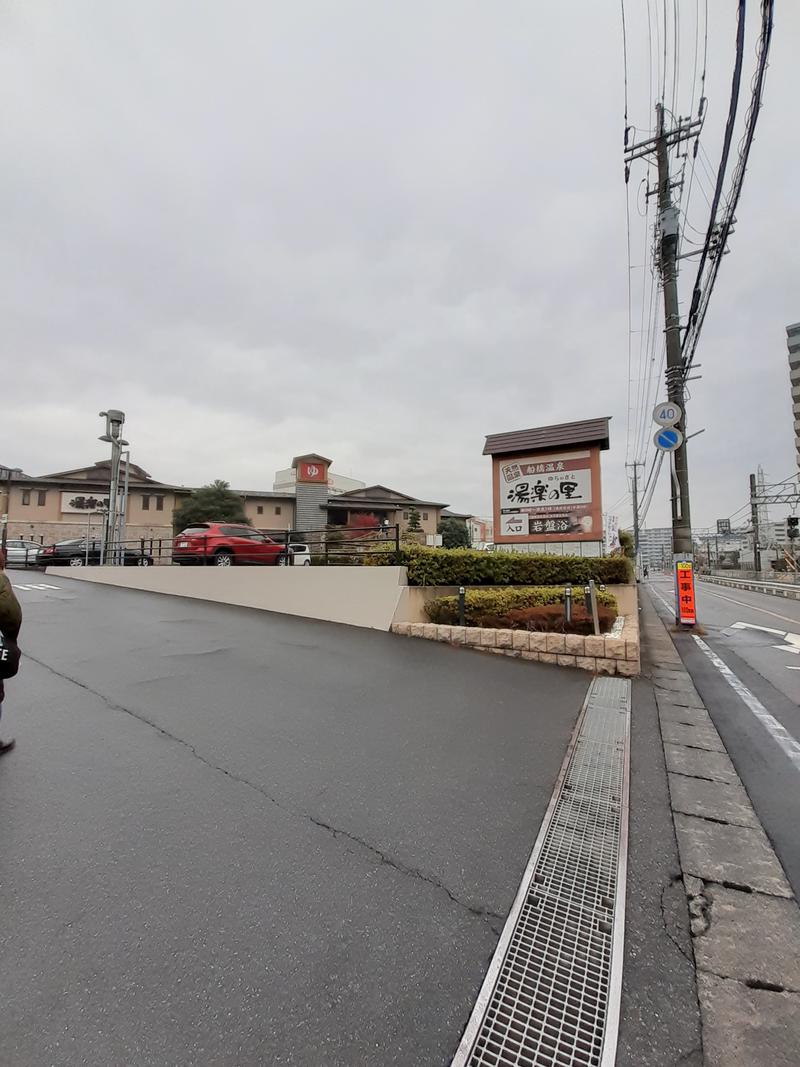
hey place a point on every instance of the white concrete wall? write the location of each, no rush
(357, 596)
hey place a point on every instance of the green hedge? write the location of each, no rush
(465, 566)
(479, 603)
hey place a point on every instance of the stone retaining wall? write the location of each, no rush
(608, 654)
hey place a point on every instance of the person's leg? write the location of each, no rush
(5, 746)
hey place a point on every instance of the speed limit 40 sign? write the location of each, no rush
(667, 414)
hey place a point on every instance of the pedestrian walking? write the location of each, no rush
(10, 623)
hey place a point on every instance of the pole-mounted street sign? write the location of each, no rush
(667, 414)
(668, 439)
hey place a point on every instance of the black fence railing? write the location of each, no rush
(21, 551)
(197, 546)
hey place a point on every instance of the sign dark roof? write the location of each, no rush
(541, 438)
(311, 457)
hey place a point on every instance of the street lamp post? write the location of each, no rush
(123, 506)
(114, 422)
(10, 472)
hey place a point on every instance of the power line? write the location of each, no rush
(732, 108)
(751, 119)
(676, 50)
(664, 69)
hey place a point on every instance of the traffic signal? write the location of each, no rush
(792, 524)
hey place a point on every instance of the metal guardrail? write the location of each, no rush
(328, 546)
(783, 589)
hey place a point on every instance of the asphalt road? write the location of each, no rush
(236, 838)
(747, 631)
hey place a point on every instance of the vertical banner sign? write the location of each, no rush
(611, 526)
(684, 592)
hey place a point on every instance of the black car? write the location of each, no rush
(79, 553)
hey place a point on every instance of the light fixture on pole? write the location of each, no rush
(114, 422)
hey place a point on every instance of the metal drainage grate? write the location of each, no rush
(551, 995)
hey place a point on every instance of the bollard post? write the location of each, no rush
(568, 604)
(461, 606)
(593, 599)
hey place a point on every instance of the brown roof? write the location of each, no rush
(382, 494)
(564, 435)
(312, 456)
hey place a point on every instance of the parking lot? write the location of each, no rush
(232, 837)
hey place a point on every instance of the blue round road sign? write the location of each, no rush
(668, 439)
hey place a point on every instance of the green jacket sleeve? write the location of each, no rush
(10, 611)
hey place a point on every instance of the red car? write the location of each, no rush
(223, 544)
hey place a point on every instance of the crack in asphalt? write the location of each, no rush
(691, 1053)
(485, 914)
(687, 955)
(748, 983)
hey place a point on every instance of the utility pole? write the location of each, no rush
(754, 517)
(635, 494)
(668, 222)
(668, 225)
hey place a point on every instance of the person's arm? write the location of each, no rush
(10, 611)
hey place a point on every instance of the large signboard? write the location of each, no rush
(548, 496)
(723, 526)
(77, 502)
(312, 472)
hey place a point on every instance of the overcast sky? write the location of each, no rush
(371, 229)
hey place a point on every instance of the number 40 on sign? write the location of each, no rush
(667, 414)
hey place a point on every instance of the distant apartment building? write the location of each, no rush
(655, 547)
(793, 344)
(481, 531)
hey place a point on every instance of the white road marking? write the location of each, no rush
(792, 641)
(43, 585)
(752, 626)
(778, 733)
(669, 607)
(743, 604)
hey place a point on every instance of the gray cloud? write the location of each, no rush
(378, 231)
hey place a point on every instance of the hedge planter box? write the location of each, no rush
(613, 653)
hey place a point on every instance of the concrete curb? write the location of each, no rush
(744, 919)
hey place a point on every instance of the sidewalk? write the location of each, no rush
(745, 922)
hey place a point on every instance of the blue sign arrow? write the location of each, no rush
(668, 438)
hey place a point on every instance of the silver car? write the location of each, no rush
(21, 553)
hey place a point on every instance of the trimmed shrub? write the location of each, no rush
(482, 604)
(551, 619)
(465, 566)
